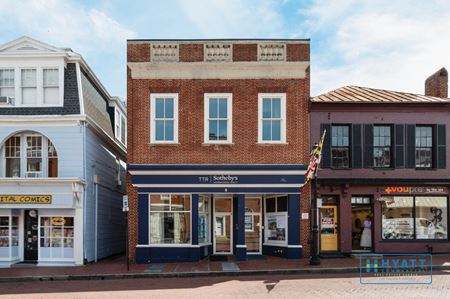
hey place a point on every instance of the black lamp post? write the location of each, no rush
(315, 259)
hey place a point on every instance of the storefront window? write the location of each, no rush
(57, 235)
(203, 219)
(4, 231)
(170, 219)
(420, 217)
(431, 217)
(276, 219)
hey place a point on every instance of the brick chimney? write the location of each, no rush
(437, 84)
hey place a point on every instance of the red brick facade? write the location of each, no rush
(191, 148)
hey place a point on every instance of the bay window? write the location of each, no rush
(276, 219)
(170, 219)
(414, 217)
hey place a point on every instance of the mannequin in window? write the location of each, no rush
(366, 237)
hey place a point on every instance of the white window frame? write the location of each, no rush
(276, 213)
(14, 83)
(150, 222)
(118, 116)
(229, 119)
(44, 86)
(153, 97)
(38, 80)
(282, 97)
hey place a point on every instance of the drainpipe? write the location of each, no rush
(83, 127)
(96, 181)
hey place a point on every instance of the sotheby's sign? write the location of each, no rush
(219, 179)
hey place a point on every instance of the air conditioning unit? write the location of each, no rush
(33, 174)
(4, 100)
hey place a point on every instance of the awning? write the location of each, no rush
(218, 178)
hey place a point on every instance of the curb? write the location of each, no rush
(339, 270)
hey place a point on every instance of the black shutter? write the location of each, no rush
(325, 162)
(441, 161)
(356, 146)
(368, 146)
(399, 146)
(410, 146)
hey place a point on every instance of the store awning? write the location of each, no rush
(218, 178)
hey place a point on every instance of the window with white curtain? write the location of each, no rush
(50, 78)
(28, 86)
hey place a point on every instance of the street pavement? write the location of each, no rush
(286, 286)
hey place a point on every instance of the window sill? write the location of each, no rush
(164, 144)
(414, 241)
(275, 244)
(340, 168)
(217, 143)
(271, 143)
(425, 168)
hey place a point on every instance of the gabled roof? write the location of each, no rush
(27, 46)
(357, 94)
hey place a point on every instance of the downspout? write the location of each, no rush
(96, 217)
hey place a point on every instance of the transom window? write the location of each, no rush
(164, 118)
(29, 155)
(218, 118)
(340, 146)
(424, 146)
(7, 83)
(382, 146)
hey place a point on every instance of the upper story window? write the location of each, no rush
(424, 146)
(120, 127)
(29, 155)
(51, 85)
(340, 146)
(6, 84)
(218, 118)
(272, 118)
(164, 118)
(382, 146)
(29, 86)
(24, 86)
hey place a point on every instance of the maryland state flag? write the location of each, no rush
(316, 155)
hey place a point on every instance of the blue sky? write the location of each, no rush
(382, 44)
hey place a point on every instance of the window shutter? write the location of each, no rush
(326, 150)
(410, 146)
(441, 161)
(356, 146)
(399, 146)
(368, 146)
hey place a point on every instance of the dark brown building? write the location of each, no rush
(386, 157)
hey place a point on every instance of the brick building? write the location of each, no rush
(218, 142)
(385, 157)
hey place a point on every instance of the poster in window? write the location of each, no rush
(276, 228)
(248, 223)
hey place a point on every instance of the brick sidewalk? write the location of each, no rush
(117, 265)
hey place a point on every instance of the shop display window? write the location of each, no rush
(203, 219)
(9, 236)
(56, 237)
(276, 220)
(170, 219)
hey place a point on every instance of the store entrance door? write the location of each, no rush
(328, 228)
(361, 224)
(31, 236)
(223, 230)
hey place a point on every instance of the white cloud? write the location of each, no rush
(379, 43)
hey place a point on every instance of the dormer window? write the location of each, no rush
(28, 86)
(51, 86)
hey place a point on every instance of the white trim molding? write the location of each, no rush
(228, 119)
(153, 97)
(282, 118)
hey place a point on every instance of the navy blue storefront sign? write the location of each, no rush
(218, 178)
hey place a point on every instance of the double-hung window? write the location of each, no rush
(164, 118)
(424, 146)
(381, 146)
(7, 83)
(29, 86)
(12, 157)
(51, 86)
(272, 118)
(218, 118)
(34, 156)
(340, 146)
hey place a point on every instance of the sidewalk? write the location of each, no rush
(115, 268)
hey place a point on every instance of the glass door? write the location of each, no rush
(252, 225)
(31, 235)
(328, 228)
(223, 233)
